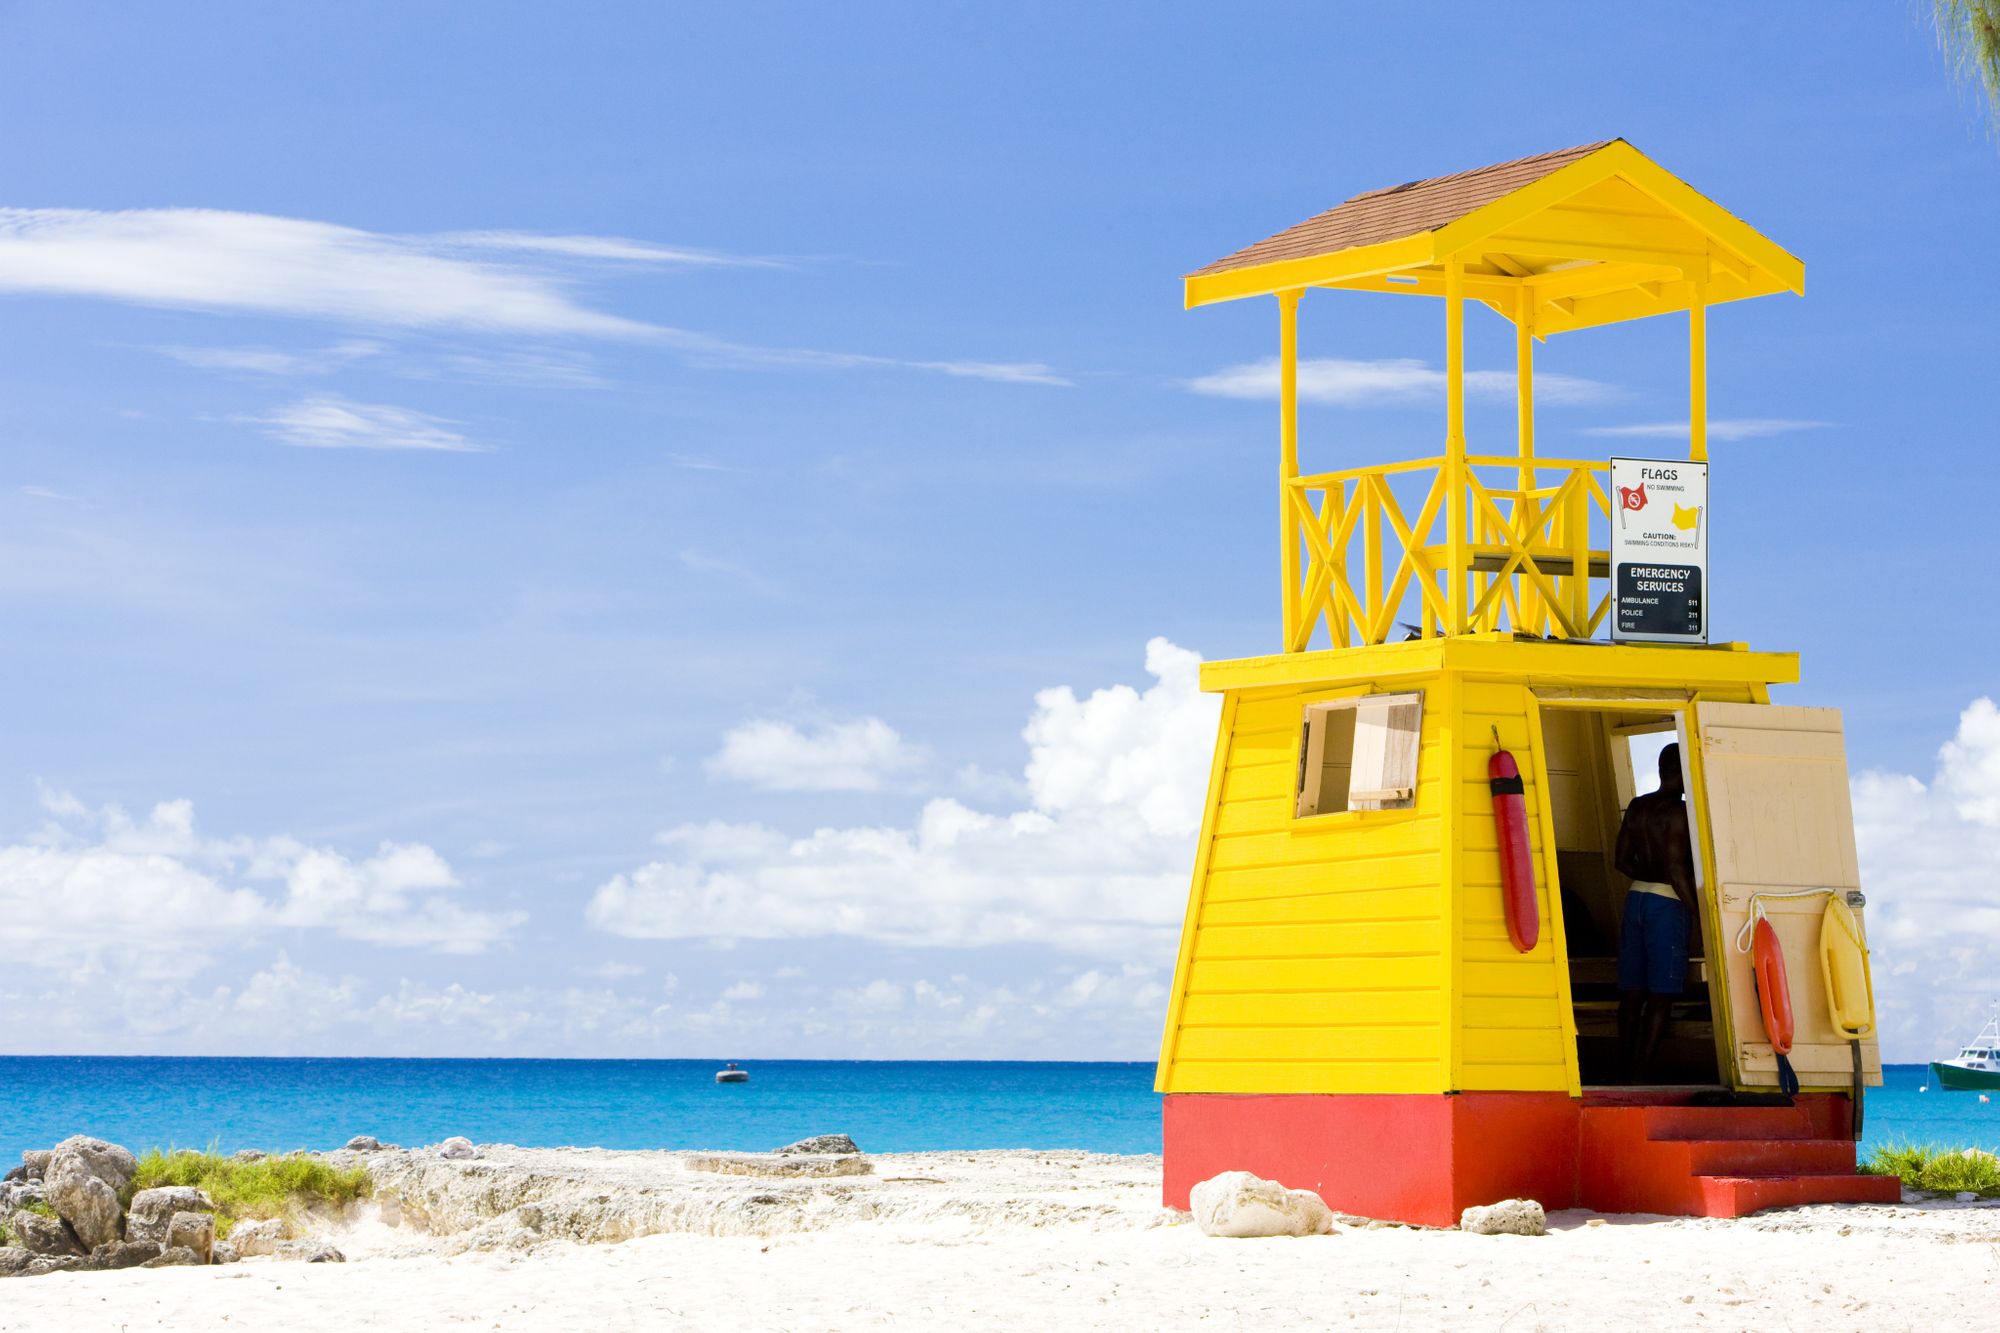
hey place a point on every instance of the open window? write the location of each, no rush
(1360, 754)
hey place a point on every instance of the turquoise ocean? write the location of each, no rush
(888, 1106)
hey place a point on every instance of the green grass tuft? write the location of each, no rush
(280, 1187)
(1939, 1170)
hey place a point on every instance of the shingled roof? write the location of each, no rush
(1572, 239)
(1400, 210)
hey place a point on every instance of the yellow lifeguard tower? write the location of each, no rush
(1349, 1012)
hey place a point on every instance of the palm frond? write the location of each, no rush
(1969, 32)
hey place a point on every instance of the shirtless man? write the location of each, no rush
(1661, 916)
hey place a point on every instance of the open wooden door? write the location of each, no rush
(1780, 820)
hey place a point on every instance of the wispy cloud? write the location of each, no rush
(714, 351)
(276, 361)
(693, 464)
(477, 281)
(701, 562)
(1738, 428)
(45, 493)
(336, 423)
(524, 368)
(605, 247)
(252, 262)
(1338, 382)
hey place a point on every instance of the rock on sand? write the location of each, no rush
(1239, 1204)
(1509, 1217)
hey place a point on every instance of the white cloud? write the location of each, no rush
(880, 993)
(1929, 853)
(1338, 382)
(1737, 428)
(613, 971)
(1097, 863)
(210, 259)
(275, 361)
(479, 281)
(92, 886)
(281, 1007)
(327, 422)
(714, 351)
(743, 991)
(862, 755)
(692, 463)
(615, 248)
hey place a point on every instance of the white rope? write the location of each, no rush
(1757, 911)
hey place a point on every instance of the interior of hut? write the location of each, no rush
(1598, 760)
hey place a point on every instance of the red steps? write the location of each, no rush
(1720, 1161)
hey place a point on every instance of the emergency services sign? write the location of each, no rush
(1659, 551)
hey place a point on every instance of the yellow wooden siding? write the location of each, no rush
(1516, 1028)
(1314, 952)
(1328, 954)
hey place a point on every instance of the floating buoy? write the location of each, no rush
(1984, 1098)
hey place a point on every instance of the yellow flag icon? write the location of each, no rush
(1685, 519)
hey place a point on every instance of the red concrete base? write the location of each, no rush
(1425, 1158)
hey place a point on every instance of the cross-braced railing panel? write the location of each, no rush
(1382, 558)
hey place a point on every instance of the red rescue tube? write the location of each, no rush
(1774, 996)
(1517, 867)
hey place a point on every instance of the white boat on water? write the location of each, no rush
(729, 1073)
(1975, 1067)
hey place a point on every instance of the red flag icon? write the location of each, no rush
(1632, 497)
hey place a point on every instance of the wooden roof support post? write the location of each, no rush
(1454, 463)
(1698, 372)
(1527, 510)
(1288, 463)
(1524, 395)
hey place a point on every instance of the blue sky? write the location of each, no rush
(572, 512)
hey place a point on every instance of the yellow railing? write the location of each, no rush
(1520, 557)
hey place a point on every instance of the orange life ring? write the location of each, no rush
(1774, 998)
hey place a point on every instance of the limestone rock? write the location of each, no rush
(17, 1262)
(1509, 1217)
(1239, 1204)
(122, 1254)
(456, 1149)
(43, 1235)
(86, 1180)
(150, 1210)
(174, 1258)
(223, 1253)
(820, 1143)
(18, 1173)
(309, 1251)
(260, 1237)
(192, 1231)
(107, 1161)
(771, 1164)
(364, 1143)
(35, 1162)
(247, 1155)
(20, 1194)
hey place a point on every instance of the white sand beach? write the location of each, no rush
(1009, 1240)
